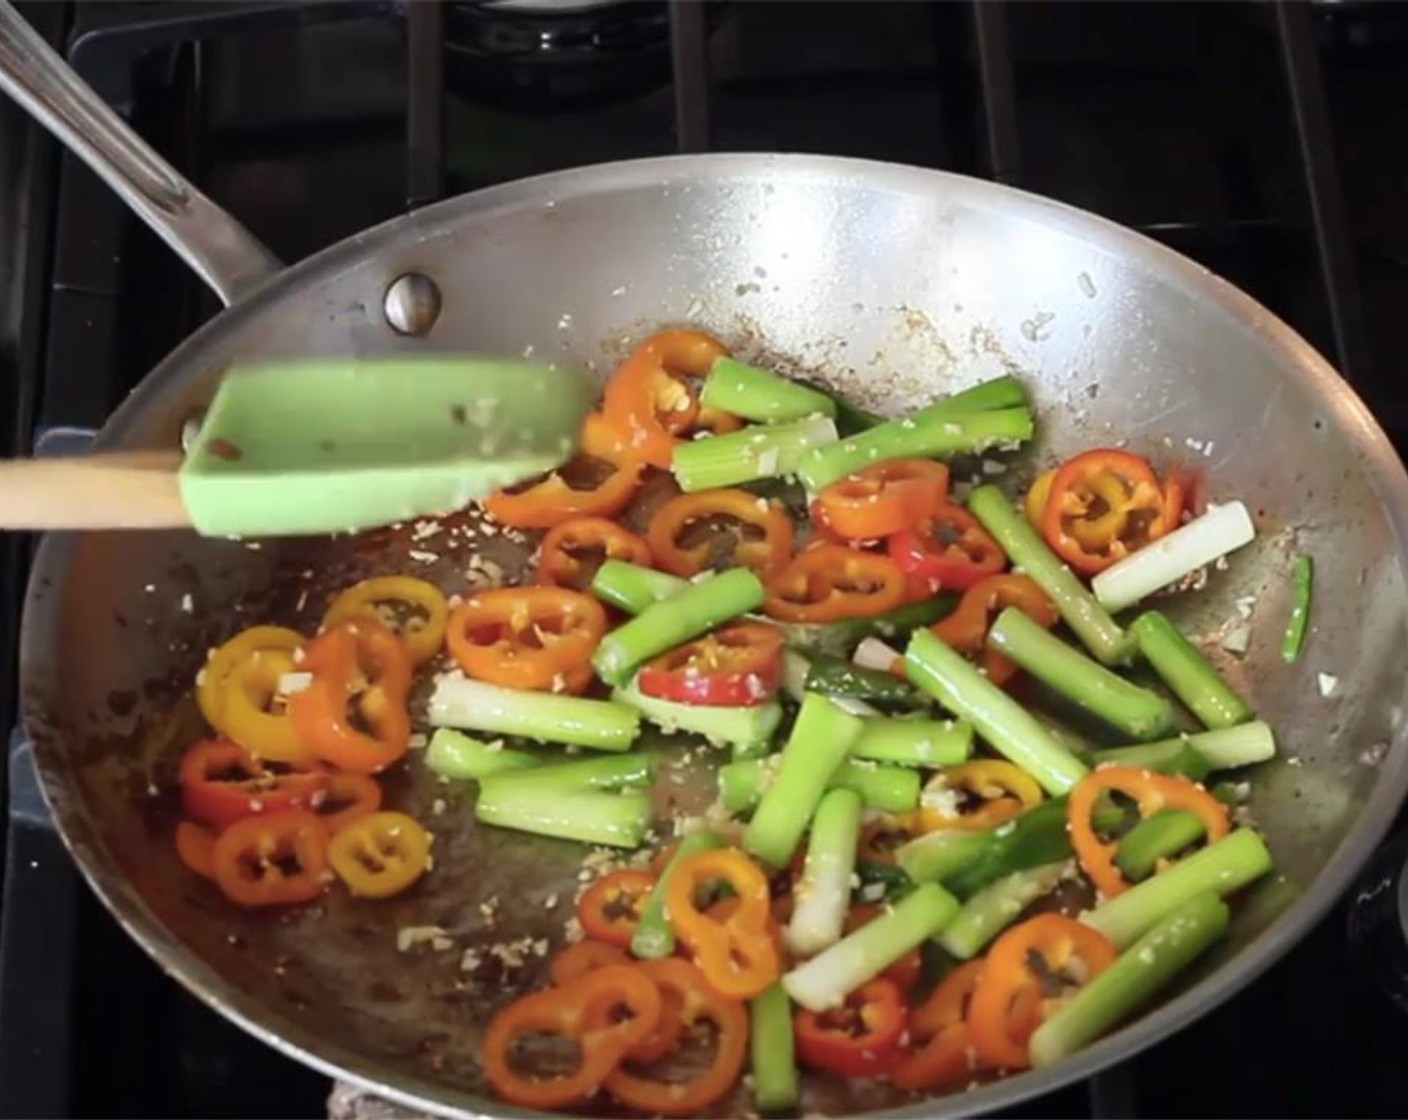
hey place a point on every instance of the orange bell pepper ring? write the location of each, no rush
(538, 638)
(598, 481)
(420, 620)
(881, 837)
(861, 1038)
(736, 954)
(361, 679)
(195, 844)
(1105, 504)
(572, 551)
(274, 859)
(584, 957)
(949, 550)
(880, 500)
(966, 629)
(1151, 793)
(222, 783)
(989, 791)
(1009, 1000)
(829, 582)
(938, 1030)
(650, 399)
(724, 528)
(604, 1013)
(587, 956)
(347, 797)
(684, 986)
(610, 908)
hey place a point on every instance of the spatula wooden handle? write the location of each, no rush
(119, 490)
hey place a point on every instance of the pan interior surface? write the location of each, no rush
(892, 285)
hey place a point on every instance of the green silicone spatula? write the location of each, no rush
(321, 445)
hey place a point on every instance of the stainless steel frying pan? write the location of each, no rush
(891, 283)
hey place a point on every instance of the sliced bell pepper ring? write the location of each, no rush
(212, 680)
(380, 854)
(989, 791)
(649, 398)
(583, 957)
(255, 715)
(608, 473)
(195, 844)
(1105, 504)
(610, 908)
(222, 783)
(361, 678)
(966, 629)
(1151, 793)
(604, 1013)
(572, 551)
(1037, 494)
(526, 637)
(1010, 998)
(274, 859)
(829, 582)
(736, 666)
(422, 628)
(938, 1029)
(950, 549)
(347, 797)
(878, 501)
(684, 988)
(879, 838)
(762, 539)
(861, 1038)
(737, 954)
(909, 969)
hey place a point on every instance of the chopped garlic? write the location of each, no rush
(1328, 682)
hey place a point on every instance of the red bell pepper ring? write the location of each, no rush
(361, 667)
(222, 783)
(951, 549)
(737, 954)
(861, 1038)
(880, 500)
(274, 859)
(1009, 1000)
(938, 1029)
(736, 666)
(1105, 504)
(604, 1013)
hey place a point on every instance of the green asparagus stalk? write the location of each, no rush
(761, 395)
(1171, 943)
(662, 626)
(824, 981)
(475, 706)
(824, 893)
(744, 727)
(999, 719)
(589, 816)
(776, 1085)
(820, 740)
(1158, 836)
(834, 676)
(654, 937)
(632, 588)
(1243, 745)
(1088, 620)
(887, 789)
(1134, 710)
(1188, 673)
(1221, 868)
(456, 755)
(927, 433)
(991, 910)
(758, 451)
(915, 742)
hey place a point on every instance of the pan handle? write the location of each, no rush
(221, 251)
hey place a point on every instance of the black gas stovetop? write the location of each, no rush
(1269, 142)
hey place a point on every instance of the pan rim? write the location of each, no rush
(1299, 361)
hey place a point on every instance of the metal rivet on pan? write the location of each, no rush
(190, 428)
(412, 304)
